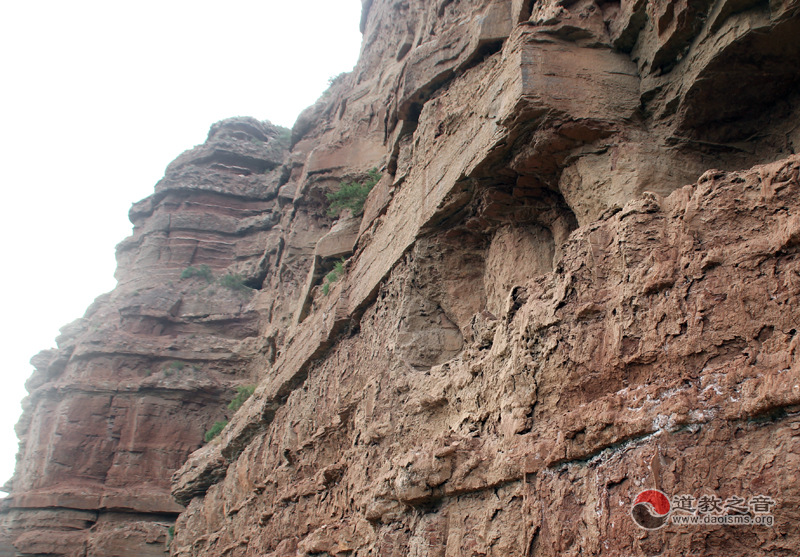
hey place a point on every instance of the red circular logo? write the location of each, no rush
(651, 509)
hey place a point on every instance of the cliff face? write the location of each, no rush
(538, 318)
(135, 383)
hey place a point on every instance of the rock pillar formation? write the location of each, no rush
(576, 280)
(136, 382)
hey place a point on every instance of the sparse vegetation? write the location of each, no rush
(173, 367)
(332, 277)
(333, 80)
(243, 392)
(215, 430)
(170, 535)
(285, 135)
(234, 282)
(352, 195)
(203, 271)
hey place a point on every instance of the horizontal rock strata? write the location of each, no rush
(538, 318)
(134, 384)
(539, 433)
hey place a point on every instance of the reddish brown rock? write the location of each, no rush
(539, 442)
(135, 383)
(502, 148)
(539, 318)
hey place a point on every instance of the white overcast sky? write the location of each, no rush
(96, 98)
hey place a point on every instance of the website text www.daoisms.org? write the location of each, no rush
(652, 510)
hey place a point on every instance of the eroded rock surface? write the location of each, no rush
(134, 384)
(550, 302)
(666, 331)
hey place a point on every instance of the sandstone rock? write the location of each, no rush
(134, 385)
(500, 449)
(538, 319)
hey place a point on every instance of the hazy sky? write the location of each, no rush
(96, 98)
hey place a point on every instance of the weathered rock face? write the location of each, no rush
(538, 319)
(136, 382)
(659, 352)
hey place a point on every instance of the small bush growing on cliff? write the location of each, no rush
(285, 135)
(352, 195)
(215, 430)
(234, 282)
(243, 392)
(333, 80)
(203, 271)
(333, 276)
(173, 367)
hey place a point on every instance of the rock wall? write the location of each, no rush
(539, 318)
(134, 384)
(630, 366)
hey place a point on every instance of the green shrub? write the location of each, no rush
(234, 282)
(333, 80)
(352, 195)
(171, 534)
(243, 392)
(203, 271)
(334, 276)
(173, 367)
(285, 135)
(215, 430)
